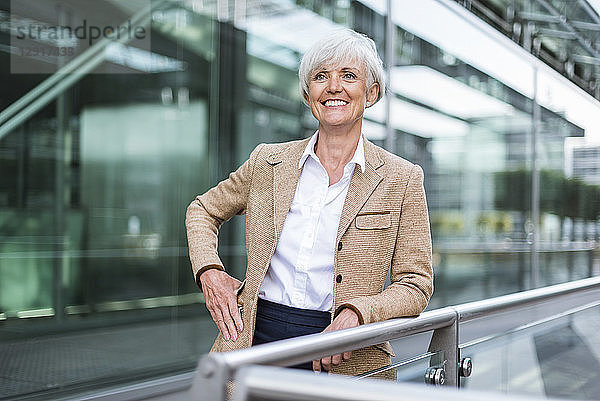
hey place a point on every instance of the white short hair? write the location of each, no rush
(338, 47)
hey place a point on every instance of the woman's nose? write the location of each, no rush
(334, 85)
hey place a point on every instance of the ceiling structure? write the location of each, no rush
(565, 34)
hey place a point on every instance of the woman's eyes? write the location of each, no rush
(347, 75)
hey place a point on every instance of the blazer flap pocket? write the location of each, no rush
(373, 221)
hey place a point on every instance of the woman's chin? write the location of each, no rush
(337, 123)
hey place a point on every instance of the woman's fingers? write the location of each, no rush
(230, 325)
(235, 314)
(221, 301)
(223, 318)
(217, 316)
(330, 361)
(229, 312)
(346, 319)
(326, 363)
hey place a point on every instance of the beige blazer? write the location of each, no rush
(384, 227)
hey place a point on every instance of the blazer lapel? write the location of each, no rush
(361, 187)
(285, 180)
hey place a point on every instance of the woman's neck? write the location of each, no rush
(335, 148)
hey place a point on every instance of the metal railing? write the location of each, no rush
(216, 370)
(257, 383)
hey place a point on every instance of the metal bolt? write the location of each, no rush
(440, 377)
(435, 376)
(429, 374)
(465, 367)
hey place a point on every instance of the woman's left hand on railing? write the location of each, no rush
(346, 319)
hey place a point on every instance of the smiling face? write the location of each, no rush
(338, 94)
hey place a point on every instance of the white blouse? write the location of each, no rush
(301, 270)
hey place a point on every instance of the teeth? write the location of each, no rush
(332, 103)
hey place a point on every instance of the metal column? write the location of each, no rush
(535, 183)
(445, 342)
(390, 138)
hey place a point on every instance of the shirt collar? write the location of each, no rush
(357, 158)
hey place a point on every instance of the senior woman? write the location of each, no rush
(327, 218)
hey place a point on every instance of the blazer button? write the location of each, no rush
(339, 277)
(340, 246)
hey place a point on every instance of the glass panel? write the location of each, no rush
(408, 370)
(556, 358)
(95, 283)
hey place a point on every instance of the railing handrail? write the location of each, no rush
(215, 369)
(256, 382)
(492, 306)
(301, 349)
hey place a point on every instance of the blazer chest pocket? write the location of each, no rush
(373, 220)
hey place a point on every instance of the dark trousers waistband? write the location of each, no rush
(278, 322)
(292, 315)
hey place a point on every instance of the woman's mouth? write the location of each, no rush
(335, 103)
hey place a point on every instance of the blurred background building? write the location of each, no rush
(497, 100)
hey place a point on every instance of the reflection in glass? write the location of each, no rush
(408, 370)
(557, 358)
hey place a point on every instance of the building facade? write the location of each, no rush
(99, 164)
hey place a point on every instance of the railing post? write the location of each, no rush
(445, 340)
(210, 382)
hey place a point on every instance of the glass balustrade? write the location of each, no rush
(556, 357)
(408, 370)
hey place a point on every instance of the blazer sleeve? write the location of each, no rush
(411, 275)
(208, 211)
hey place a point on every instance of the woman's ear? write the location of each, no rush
(372, 94)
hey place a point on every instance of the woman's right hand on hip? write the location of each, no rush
(221, 301)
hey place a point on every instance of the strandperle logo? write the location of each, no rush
(47, 35)
(84, 31)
